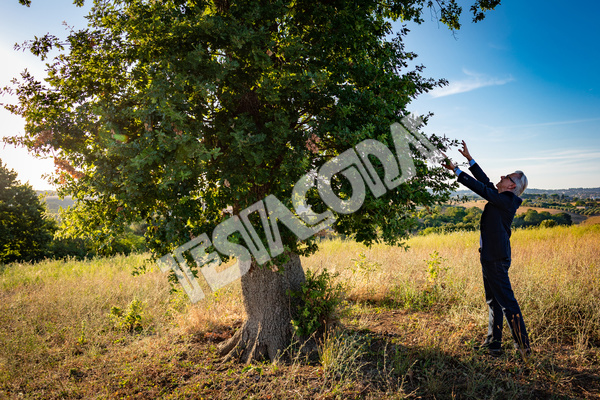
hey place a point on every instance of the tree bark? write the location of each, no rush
(267, 331)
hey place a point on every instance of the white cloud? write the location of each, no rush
(554, 123)
(562, 157)
(473, 81)
(559, 169)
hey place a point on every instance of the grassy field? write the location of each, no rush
(93, 330)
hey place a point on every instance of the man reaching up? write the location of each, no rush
(498, 213)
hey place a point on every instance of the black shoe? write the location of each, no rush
(494, 349)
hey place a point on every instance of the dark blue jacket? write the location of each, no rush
(497, 215)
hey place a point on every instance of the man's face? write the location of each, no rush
(507, 183)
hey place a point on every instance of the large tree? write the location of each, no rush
(25, 230)
(181, 112)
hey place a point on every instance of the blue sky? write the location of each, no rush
(17, 25)
(524, 86)
(524, 89)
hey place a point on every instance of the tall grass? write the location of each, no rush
(91, 329)
(52, 311)
(555, 275)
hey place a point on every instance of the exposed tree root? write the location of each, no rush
(267, 332)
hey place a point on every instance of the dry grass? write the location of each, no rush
(555, 274)
(592, 220)
(411, 320)
(52, 312)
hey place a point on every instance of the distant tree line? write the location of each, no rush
(582, 206)
(544, 218)
(445, 219)
(448, 219)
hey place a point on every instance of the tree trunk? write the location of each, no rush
(267, 332)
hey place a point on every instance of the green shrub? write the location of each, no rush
(319, 299)
(63, 248)
(548, 223)
(131, 319)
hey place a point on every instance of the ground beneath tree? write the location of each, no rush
(378, 353)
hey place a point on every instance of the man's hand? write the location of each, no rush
(447, 163)
(465, 151)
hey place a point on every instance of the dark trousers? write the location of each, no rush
(501, 302)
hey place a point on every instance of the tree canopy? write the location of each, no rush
(170, 111)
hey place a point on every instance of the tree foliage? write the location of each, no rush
(100, 234)
(25, 231)
(533, 218)
(448, 219)
(170, 111)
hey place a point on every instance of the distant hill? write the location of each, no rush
(53, 202)
(581, 193)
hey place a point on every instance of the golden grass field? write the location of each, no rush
(92, 330)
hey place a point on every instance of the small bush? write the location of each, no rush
(548, 223)
(319, 299)
(64, 248)
(131, 319)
